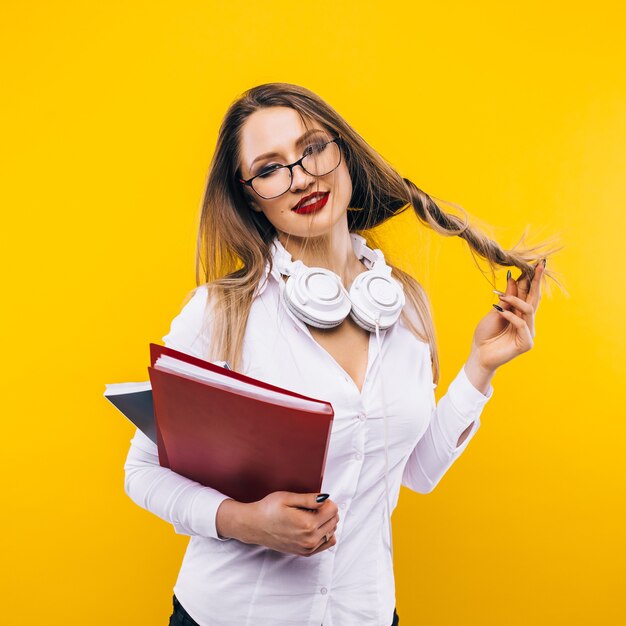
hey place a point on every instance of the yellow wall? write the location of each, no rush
(109, 117)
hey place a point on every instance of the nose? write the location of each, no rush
(299, 178)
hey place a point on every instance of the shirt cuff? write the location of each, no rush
(204, 512)
(467, 402)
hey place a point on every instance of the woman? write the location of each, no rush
(292, 186)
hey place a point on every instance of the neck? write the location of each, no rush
(333, 252)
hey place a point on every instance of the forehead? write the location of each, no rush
(273, 129)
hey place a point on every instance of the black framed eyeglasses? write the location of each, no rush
(275, 180)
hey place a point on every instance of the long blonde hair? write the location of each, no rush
(233, 244)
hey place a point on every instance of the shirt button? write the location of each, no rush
(323, 591)
(361, 416)
(342, 505)
(357, 456)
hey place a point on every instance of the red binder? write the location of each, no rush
(244, 447)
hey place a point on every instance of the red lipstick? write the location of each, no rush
(322, 198)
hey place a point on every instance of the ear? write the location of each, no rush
(254, 207)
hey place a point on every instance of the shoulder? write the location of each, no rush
(188, 330)
(413, 317)
(416, 312)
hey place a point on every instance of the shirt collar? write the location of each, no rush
(280, 257)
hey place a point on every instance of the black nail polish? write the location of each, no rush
(508, 274)
(321, 497)
(544, 262)
(495, 306)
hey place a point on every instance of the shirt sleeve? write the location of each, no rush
(186, 504)
(436, 450)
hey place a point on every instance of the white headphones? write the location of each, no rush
(317, 296)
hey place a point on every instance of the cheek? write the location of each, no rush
(344, 181)
(276, 213)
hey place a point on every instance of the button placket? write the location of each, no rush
(358, 446)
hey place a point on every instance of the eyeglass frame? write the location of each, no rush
(248, 182)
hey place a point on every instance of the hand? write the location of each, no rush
(291, 522)
(502, 335)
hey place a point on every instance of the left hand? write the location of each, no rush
(501, 336)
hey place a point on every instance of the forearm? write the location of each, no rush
(453, 421)
(479, 376)
(481, 379)
(189, 506)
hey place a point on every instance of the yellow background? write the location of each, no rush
(109, 118)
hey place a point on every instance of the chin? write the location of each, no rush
(319, 224)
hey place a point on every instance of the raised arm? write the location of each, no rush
(454, 421)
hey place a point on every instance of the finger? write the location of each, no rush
(328, 526)
(327, 514)
(327, 530)
(305, 500)
(534, 297)
(513, 302)
(316, 519)
(523, 286)
(323, 534)
(522, 309)
(324, 545)
(520, 325)
(511, 290)
(511, 285)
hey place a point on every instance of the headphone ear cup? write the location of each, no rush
(317, 296)
(375, 295)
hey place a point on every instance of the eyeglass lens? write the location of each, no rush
(274, 180)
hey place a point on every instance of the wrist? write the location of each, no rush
(479, 375)
(230, 520)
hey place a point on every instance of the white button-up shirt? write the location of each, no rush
(225, 582)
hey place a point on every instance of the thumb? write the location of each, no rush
(306, 500)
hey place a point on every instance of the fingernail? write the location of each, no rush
(321, 497)
(495, 306)
(544, 262)
(500, 293)
(508, 275)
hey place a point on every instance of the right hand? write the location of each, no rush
(281, 521)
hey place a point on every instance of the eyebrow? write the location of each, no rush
(299, 141)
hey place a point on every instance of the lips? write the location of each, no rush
(313, 196)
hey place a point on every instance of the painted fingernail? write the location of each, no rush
(321, 497)
(508, 275)
(495, 306)
(500, 293)
(544, 262)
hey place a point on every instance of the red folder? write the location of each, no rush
(244, 447)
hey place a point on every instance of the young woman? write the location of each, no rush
(293, 291)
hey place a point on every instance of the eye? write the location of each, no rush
(314, 148)
(268, 169)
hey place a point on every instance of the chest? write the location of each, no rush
(348, 345)
(344, 365)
